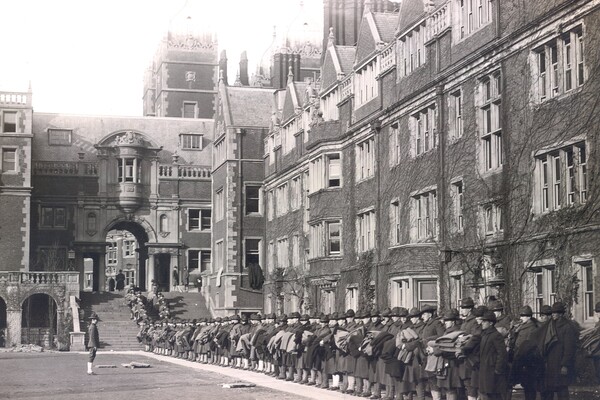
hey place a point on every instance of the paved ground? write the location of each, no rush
(51, 375)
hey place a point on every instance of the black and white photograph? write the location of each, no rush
(300, 199)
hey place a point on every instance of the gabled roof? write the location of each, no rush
(338, 60)
(249, 106)
(374, 28)
(294, 98)
(413, 10)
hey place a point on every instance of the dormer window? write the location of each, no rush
(190, 141)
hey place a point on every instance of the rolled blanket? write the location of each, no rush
(340, 339)
(590, 341)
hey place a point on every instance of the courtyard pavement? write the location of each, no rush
(54, 375)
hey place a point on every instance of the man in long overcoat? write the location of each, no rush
(526, 361)
(93, 341)
(557, 339)
(493, 361)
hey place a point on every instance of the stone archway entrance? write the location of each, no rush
(128, 240)
(39, 320)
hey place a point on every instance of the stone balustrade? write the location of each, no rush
(437, 22)
(387, 57)
(65, 168)
(346, 87)
(15, 99)
(187, 172)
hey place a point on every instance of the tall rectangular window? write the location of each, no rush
(252, 199)
(395, 222)
(424, 216)
(128, 248)
(394, 144)
(490, 121)
(9, 160)
(457, 200)
(205, 260)
(334, 170)
(492, 219)
(424, 131)
(9, 121)
(219, 204)
(365, 231)
(456, 115)
(296, 259)
(270, 204)
(365, 159)
(189, 109)
(252, 251)
(282, 199)
(334, 238)
(282, 253)
(296, 195)
(193, 259)
(219, 255)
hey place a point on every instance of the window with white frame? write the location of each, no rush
(189, 109)
(317, 174)
(59, 137)
(560, 177)
(325, 172)
(366, 84)
(270, 257)
(9, 121)
(585, 273)
(252, 251)
(253, 199)
(220, 152)
(394, 144)
(329, 103)
(295, 193)
(455, 115)
(539, 285)
(190, 141)
(411, 51)
(334, 237)
(9, 159)
(365, 231)
(334, 170)
(559, 65)
(457, 205)
(296, 251)
(283, 260)
(490, 120)
(130, 169)
(328, 300)
(270, 204)
(219, 204)
(282, 200)
(470, 16)
(365, 159)
(199, 219)
(128, 248)
(395, 215)
(352, 297)
(415, 291)
(424, 130)
(219, 255)
(287, 136)
(491, 215)
(111, 253)
(424, 221)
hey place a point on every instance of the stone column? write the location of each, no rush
(149, 271)
(13, 327)
(80, 267)
(101, 272)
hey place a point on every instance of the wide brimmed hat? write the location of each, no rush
(386, 313)
(467, 302)
(295, 314)
(350, 313)
(428, 308)
(489, 316)
(304, 317)
(496, 305)
(546, 310)
(558, 308)
(526, 311)
(451, 315)
(479, 311)
(414, 312)
(324, 318)
(93, 315)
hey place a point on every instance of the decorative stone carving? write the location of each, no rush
(129, 138)
(164, 234)
(189, 43)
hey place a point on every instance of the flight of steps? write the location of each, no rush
(117, 331)
(187, 305)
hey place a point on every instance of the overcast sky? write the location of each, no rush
(89, 57)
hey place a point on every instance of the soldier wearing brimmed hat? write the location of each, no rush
(523, 351)
(93, 341)
(502, 320)
(558, 341)
(545, 313)
(432, 329)
(451, 382)
(493, 364)
(466, 312)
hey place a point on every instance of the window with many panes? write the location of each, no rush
(394, 144)
(365, 231)
(470, 16)
(492, 219)
(416, 291)
(53, 217)
(111, 253)
(455, 117)
(59, 137)
(365, 159)
(128, 248)
(559, 65)
(490, 121)
(9, 159)
(539, 285)
(411, 51)
(334, 170)
(424, 130)
(9, 121)
(457, 204)
(130, 169)
(561, 178)
(251, 251)
(334, 238)
(190, 141)
(424, 221)
(395, 215)
(253, 199)
(199, 219)
(366, 86)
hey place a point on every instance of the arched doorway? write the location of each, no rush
(126, 251)
(2, 322)
(39, 319)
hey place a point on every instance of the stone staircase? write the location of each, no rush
(117, 330)
(187, 305)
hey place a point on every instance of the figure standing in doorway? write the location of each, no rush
(120, 278)
(186, 278)
(175, 278)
